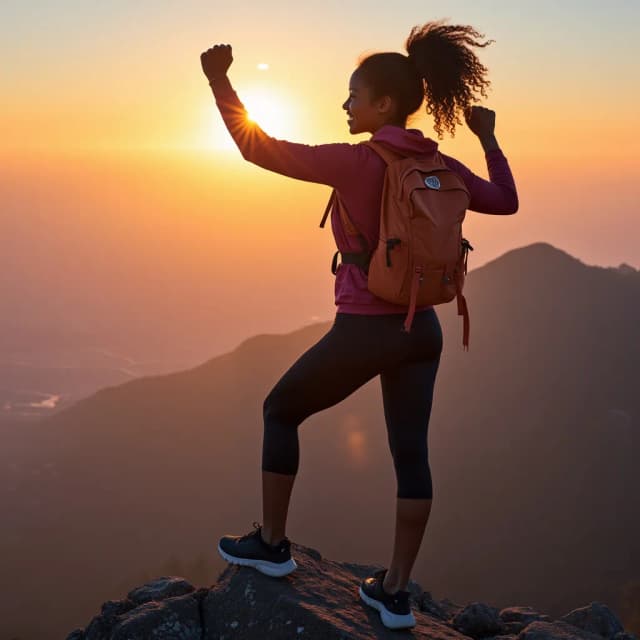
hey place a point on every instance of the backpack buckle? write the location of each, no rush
(360, 259)
(334, 263)
(391, 243)
(466, 247)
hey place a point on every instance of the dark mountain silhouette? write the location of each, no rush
(320, 601)
(533, 446)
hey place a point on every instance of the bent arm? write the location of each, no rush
(333, 164)
(498, 195)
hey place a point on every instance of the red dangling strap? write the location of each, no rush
(415, 283)
(463, 310)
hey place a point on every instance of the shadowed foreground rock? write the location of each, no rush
(319, 601)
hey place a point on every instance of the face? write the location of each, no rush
(364, 114)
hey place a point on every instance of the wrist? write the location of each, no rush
(216, 77)
(489, 142)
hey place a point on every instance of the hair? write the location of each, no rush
(440, 67)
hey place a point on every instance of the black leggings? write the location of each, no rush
(356, 349)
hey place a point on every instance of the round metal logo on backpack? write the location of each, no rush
(432, 182)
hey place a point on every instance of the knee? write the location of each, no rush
(275, 409)
(269, 409)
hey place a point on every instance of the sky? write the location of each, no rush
(112, 144)
(127, 75)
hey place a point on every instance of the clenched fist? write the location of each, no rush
(480, 120)
(216, 61)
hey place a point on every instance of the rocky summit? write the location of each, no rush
(320, 601)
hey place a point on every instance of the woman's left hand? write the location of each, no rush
(216, 61)
(480, 120)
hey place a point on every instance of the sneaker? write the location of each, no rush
(251, 550)
(395, 610)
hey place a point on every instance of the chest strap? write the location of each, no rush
(360, 259)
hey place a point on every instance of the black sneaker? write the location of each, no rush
(252, 551)
(395, 610)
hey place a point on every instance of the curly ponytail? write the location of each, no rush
(451, 71)
(440, 67)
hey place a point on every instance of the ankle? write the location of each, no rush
(390, 590)
(269, 538)
(392, 587)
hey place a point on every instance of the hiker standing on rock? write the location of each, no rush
(370, 335)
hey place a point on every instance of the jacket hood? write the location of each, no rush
(406, 141)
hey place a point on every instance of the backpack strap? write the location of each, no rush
(329, 205)
(385, 153)
(349, 227)
(463, 311)
(361, 258)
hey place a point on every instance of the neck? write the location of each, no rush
(390, 124)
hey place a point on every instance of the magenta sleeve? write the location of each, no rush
(335, 164)
(497, 195)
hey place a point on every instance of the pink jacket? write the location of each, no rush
(357, 173)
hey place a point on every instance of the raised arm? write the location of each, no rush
(334, 164)
(498, 195)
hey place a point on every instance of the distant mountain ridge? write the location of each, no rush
(533, 446)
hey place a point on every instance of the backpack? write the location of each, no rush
(421, 257)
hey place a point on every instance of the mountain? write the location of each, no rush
(533, 444)
(320, 601)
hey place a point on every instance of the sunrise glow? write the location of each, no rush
(270, 112)
(273, 112)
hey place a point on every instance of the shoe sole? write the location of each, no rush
(273, 569)
(389, 619)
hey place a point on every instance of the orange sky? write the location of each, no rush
(127, 77)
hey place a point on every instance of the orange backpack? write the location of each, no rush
(421, 257)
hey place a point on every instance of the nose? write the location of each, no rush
(345, 105)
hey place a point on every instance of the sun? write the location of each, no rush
(269, 111)
(272, 111)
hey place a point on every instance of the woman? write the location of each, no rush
(366, 339)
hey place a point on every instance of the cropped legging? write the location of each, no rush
(356, 349)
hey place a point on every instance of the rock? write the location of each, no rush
(557, 630)
(319, 601)
(521, 614)
(596, 618)
(478, 620)
(100, 627)
(113, 608)
(176, 617)
(451, 608)
(515, 619)
(427, 604)
(160, 589)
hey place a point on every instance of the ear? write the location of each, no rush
(385, 105)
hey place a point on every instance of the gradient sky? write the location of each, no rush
(126, 74)
(111, 141)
